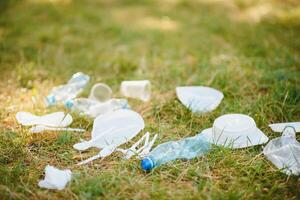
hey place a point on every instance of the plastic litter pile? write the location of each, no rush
(116, 124)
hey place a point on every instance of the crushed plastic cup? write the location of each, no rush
(284, 152)
(199, 99)
(111, 130)
(235, 131)
(279, 127)
(100, 92)
(136, 89)
(57, 119)
(55, 178)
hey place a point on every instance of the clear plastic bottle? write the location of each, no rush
(186, 148)
(63, 93)
(94, 108)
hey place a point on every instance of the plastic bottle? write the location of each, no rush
(94, 108)
(186, 148)
(63, 93)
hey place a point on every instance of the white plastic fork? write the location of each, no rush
(142, 151)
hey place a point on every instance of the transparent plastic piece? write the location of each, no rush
(284, 152)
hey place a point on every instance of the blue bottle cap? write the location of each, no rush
(69, 104)
(50, 100)
(147, 164)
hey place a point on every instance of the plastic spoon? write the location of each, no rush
(57, 119)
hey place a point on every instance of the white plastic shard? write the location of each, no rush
(284, 152)
(41, 128)
(57, 119)
(110, 130)
(55, 178)
(279, 127)
(140, 152)
(199, 99)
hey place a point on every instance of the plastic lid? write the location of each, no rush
(50, 100)
(69, 103)
(147, 164)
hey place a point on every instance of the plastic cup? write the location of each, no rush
(100, 92)
(136, 89)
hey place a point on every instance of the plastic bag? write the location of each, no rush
(284, 152)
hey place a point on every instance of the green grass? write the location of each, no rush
(252, 57)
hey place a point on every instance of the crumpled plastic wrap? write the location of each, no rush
(55, 178)
(284, 152)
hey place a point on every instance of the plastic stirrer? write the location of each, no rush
(41, 128)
